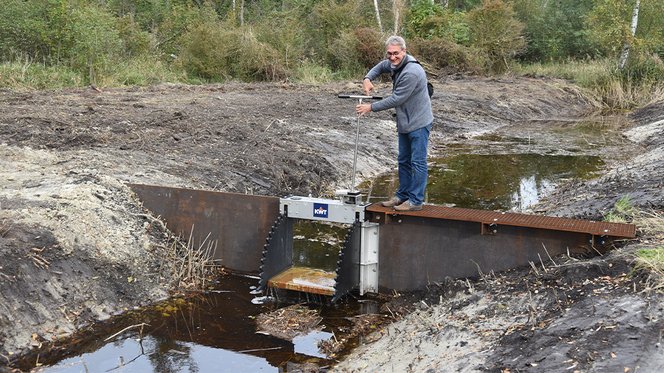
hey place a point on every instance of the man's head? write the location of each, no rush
(395, 49)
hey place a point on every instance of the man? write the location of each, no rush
(410, 98)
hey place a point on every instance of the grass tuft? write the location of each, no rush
(650, 225)
(652, 261)
(311, 73)
(26, 74)
(623, 211)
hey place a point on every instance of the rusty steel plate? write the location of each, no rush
(237, 223)
(304, 279)
(515, 219)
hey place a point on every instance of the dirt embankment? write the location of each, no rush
(640, 177)
(77, 246)
(601, 314)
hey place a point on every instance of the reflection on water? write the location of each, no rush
(316, 244)
(131, 355)
(215, 332)
(494, 182)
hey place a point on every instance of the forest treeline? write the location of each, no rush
(57, 43)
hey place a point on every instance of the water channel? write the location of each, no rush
(216, 331)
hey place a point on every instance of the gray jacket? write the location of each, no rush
(409, 97)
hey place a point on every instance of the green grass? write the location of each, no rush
(143, 72)
(652, 260)
(311, 73)
(617, 91)
(623, 211)
(650, 225)
(136, 72)
(29, 75)
(583, 73)
(655, 255)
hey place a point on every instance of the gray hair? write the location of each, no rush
(395, 40)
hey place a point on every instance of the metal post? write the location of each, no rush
(369, 258)
(357, 140)
(357, 135)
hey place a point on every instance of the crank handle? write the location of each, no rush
(361, 97)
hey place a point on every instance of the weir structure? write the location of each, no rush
(383, 250)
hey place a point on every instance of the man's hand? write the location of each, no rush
(362, 109)
(367, 86)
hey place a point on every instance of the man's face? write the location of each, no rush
(395, 54)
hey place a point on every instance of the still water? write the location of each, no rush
(215, 332)
(506, 182)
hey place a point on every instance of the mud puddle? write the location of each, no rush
(507, 182)
(212, 332)
(513, 168)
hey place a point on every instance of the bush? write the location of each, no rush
(496, 34)
(135, 41)
(178, 20)
(555, 30)
(23, 30)
(216, 53)
(427, 20)
(331, 20)
(353, 51)
(95, 43)
(369, 46)
(442, 54)
(285, 33)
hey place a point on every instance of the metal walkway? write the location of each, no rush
(512, 219)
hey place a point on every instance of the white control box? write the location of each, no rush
(322, 209)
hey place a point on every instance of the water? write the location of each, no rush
(506, 182)
(215, 332)
(317, 244)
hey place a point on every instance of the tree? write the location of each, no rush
(496, 33)
(380, 24)
(626, 47)
(555, 30)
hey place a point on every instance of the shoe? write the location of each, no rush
(395, 201)
(406, 206)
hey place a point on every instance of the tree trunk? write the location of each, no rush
(242, 13)
(380, 24)
(396, 10)
(628, 43)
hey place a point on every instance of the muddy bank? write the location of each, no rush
(637, 174)
(565, 314)
(574, 315)
(77, 246)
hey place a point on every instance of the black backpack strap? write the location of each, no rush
(396, 72)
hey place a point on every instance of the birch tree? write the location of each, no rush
(380, 24)
(397, 6)
(628, 43)
(242, 13)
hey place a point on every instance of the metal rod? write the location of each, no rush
(357, 140)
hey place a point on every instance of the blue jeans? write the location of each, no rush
(413, 169)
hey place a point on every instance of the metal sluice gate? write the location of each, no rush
(383, 250)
